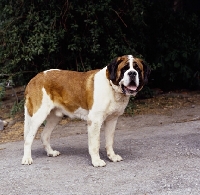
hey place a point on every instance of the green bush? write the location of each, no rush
(29, 36)
(173, 47)
(82, 35)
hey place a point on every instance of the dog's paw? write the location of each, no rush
(98, 163)
(27, 161)
(53, 153)
(115, 158)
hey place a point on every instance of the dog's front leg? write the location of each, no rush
(94, 127)
(110, 125)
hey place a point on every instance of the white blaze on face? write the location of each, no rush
(127, 79)
(130, 58)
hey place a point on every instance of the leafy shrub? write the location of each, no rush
(29, 35)
(82, 35)
(2, 91)
(173, 46)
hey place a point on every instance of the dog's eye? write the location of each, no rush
(125, 68)
(137, 68)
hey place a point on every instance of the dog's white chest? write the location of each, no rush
(117, 106)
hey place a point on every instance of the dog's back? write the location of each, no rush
(67, 89)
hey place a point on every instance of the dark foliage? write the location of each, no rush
(82, 35)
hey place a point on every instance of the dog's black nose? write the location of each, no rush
(132, 74)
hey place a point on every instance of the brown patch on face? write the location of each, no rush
(140, 66)
(113, 71)
(141, 72)
(33, 94)
(124, 60)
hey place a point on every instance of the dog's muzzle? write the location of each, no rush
(132, 86)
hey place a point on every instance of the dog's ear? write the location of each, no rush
(147, 71)
(112, 69)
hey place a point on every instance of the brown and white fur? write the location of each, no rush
(97, 96)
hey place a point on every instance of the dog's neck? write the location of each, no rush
(116, 88)
(118, 94)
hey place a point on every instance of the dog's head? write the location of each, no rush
(127, 74)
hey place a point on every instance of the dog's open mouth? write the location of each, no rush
(130, 89)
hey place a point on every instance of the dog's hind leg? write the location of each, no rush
(35, 121)
(27, 120)
(51, 121)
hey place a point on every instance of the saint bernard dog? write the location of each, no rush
(97, 96)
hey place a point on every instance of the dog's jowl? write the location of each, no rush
(98, 96)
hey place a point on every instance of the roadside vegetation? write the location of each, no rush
(83, 35)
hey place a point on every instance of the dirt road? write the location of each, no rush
(161, 156)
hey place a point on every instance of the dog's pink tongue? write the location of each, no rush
(133, 88)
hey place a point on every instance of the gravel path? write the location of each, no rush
(161, 156)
